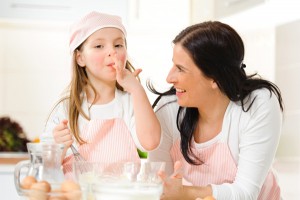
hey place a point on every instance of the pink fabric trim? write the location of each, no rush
(108, 141)
(219, 167)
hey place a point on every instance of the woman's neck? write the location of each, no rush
(211, 119)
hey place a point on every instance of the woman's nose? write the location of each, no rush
(171, 76)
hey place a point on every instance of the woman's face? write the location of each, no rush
(193, 89)
(97, 54)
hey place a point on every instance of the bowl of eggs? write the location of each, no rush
(33, 189)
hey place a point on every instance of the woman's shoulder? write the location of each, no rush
(168, 101)
(261, 97)
(260, 101)
(256, 98)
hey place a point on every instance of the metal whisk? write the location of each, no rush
(77, 155)
(82, 166)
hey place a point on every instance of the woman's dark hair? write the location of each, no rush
(218, 51)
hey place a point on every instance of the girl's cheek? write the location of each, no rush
(98, 58)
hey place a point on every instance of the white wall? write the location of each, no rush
(34, 56)
(35, 69)
(287, 76)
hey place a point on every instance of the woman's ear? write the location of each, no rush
(79, 58)
(214, 84)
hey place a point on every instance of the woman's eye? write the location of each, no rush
(179, 69)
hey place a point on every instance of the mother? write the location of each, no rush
(227, 128)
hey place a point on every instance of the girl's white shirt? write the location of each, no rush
(253, 138)
(120, 107)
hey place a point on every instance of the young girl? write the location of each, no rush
(105, 114)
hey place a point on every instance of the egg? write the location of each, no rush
(71, 190)
(69, 185)
(27, 182)
(58, 198)
(43, 186)
(209, 198)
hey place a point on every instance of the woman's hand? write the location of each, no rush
(62, 134)
(173, 188)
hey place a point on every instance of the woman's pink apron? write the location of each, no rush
(219, 167)
(108, 141)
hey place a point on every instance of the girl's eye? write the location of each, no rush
(99, 46)
(119, 45)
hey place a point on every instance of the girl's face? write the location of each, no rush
(97, 54)
(193, 89)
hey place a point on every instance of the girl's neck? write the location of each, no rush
(105, 94)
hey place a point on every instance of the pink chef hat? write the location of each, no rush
(90, 23)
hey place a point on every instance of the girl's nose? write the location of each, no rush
(111, 52)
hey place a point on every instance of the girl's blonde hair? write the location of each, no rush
(77, 86)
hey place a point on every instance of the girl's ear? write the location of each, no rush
(79, 58)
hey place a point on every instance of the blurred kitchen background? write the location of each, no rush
(35, 59)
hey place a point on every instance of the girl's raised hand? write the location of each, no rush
(62, 134)
(124, 77)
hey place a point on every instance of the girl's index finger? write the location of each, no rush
(117, 64)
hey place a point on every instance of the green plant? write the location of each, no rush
(12, 136)
(142, 154)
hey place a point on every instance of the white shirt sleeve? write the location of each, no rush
(166, 112)
(259, 136)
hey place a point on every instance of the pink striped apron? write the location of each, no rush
(218, 167)
(108, 141)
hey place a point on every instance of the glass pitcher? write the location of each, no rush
(44, 164)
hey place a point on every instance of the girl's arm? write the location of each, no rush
(166, 112)
(56, 129)
(147, 125)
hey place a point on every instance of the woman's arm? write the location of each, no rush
(258, 140)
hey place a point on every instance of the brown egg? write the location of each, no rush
(69, 185)
(27, 182)
(37, 195)
(43, 186)
(71, 190)
(62, 197)
(209, 198)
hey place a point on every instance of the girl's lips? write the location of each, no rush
(111, 64)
